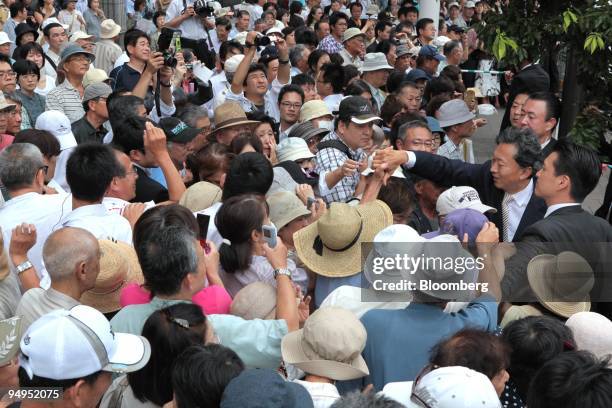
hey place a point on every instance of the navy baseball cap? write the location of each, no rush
(178, 131)
(432, 52)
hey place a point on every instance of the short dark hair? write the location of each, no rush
(201, 374)
(288, 89)
(45, 141)
(40, 382)
(131, 38)
(243, 140)
(356, 88)
(24, 50)
(49, 27)
(422, 23)
(249, 173)
(25, 67)
(314, 57)
(439, 86)
(529, 151)
(236, 219)
(157, 15)
(255, 68)
(450, 46)
(476, 349)
(227, 46)
(572, 380)
(16, 8)
(209, 160)
(412, 9)
(402, 11)
(166, 256)
(581, 164)
(358, 399)
(90, 169)
(128, 134)
(534, 340)
(356, 4)
(302, 79)
(121, 107)
(553, 105)
(401, 119)
(334, 74)
(304, 35)
(223, 22)
(163, 216)
(398, 196)
(337, 16)
(6, 58)
(381, 25)
(168, 338)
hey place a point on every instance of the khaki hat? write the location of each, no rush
(10, 334)
(561, 283)
(285, 207)
(80, 35)
(200, 196)
(331, 246)
(352, 33)
(329, 345)
(314, 109)
(118, 267)
(255, 301)
(109, 29)
(230, 114)
(94, 75)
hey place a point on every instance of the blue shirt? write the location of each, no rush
(399, 341)
(324, 285)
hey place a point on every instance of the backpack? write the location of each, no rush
(335, 144)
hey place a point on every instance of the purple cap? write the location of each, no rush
(460, 222)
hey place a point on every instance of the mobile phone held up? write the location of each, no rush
(203, 222)
(269, 233)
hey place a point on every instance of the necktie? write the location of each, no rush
(506, 216)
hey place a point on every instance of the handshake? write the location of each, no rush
(386, 161)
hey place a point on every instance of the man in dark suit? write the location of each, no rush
(570, 172)
(532, 78)
(506, 182)
(542, 111)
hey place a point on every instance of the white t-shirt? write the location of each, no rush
(95, 219)
(116, 205)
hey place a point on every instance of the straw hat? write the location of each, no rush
(329, 345)
(332, 246)
(230, 114)
(200, 196)
(561, 283)
(94, 75)
(118, 267)
(109, 29)
(255, 301)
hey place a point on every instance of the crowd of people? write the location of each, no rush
(279, 205)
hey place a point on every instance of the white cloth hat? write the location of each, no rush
(109, 29)
(71, 344)
(4, 38)
(58, 124)
(314, 109)
(53, 20)
(293, 148)
(231, 64)
(592, 332)
(470, 4)
(80, 35)
(375, 61)
(454, 112)
(461, 197)
(455, 387)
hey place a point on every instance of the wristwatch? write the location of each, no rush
(282, 271)
(24, 266)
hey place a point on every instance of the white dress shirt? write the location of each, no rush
(516, 208)
(95, 219)
(116, 205)
(323, 394)
(46, 212)
(190, 28)
(556, 207)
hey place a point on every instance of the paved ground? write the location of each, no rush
(484, 144)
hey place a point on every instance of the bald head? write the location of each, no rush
(68, 250)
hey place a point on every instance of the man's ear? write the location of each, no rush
(551, 123)
(136, 155)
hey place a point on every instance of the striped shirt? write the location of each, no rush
(67, 99)
(106, 52)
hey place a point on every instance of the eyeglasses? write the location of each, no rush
(422, 143)
(416, 398)
(296, 105)
(45, 169)
(7, 73)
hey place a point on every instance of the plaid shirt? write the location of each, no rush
(463, 152)
(331, 45)
(329, 160)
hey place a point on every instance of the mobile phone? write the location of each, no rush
(309, 202)
(203, 222)
(269, 233)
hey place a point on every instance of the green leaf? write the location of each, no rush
(512, 43)
(600, 43)
(502, 50)
(587, 43)
(566, 21)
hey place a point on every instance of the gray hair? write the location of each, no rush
(413, 124)
(66, 248)
(529, 151)
(296, 54)
(191, 113)
(450, 47)
(370, 400)
(19, 164)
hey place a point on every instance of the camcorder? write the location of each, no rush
(169, 43)
(262, 41)
(203, 8)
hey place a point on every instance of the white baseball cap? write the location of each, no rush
(454, 387)
(456, 198)
(53, 20)
(4, 38)
(58, 124)
(293, 148)
(231, 64)
(75, 343)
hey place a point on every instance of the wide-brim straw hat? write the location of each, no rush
(329, 345)
(118, 267)
(230, 114)
(332, 246)
(554, 278)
